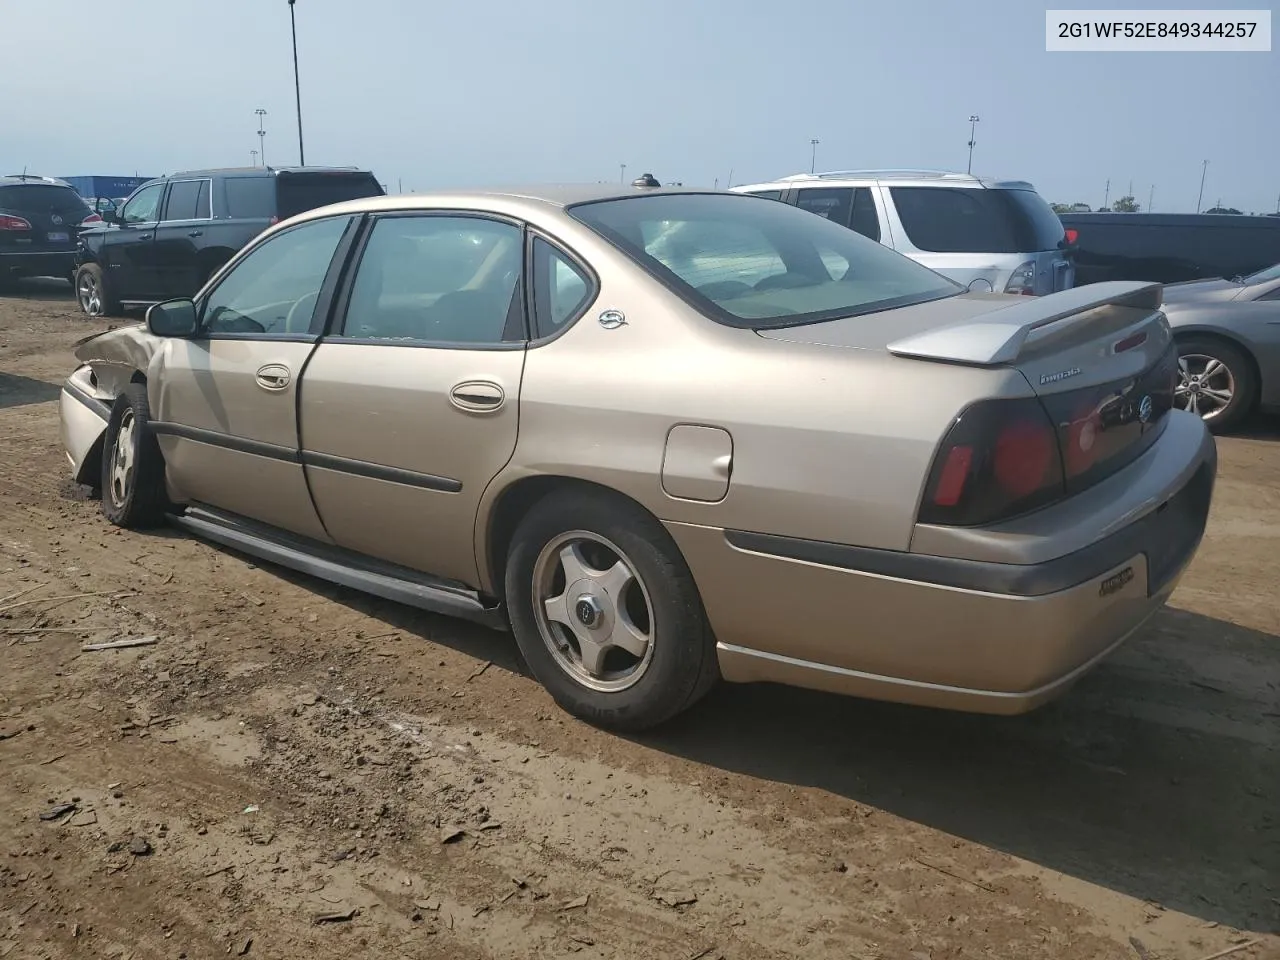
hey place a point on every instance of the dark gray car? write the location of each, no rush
(1228, 336)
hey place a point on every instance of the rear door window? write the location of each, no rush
(299, 192)
(975, 220)
(187, 200)
(250, 198)
(834, 203)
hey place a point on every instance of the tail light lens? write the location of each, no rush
(1072, 235)
(999, 459)
(8, 222)
(91, 218)
(1023, 280)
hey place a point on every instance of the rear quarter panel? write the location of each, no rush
(829, 443)
(1254, 326)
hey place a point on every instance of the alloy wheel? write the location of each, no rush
(593, 611)
(1206, 385)
(89, 293)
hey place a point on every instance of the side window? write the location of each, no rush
(560, 288)
(865, 219)
(187, 200)
(767, 194)
(834, 203)
(439, 279)
(274, 289)
(1273, 295)
(250, 198)
(141, 207)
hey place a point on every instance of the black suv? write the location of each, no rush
(39, 220)
(1170, 247)
(173, 233)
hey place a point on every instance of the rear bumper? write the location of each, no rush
(973, 635)
(38, 263)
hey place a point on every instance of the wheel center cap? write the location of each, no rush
(588, 611)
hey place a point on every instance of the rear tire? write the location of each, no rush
(628, 646)
(93, 292)
(133, 490)
(1216, 379)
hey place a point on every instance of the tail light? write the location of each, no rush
(1073, 235)
(91, 218)
(1023, 280)
(273, 221)
(8, 222)
(999, 459)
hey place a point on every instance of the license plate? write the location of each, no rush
(60, 237)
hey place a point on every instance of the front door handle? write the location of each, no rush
(141, 236)
(478, 396)
(273, 376)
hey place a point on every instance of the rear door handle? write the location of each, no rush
(142, 236)
(273, 376)
(478, 396)
(196, 233)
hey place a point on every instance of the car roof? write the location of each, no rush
(16, 178)
(256, 172)
(932, 178)
(541, 195)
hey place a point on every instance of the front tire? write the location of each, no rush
(606, 612)
(93, 292)
(133, 491)
(1216, 380)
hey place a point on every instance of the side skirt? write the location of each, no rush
(389, 581)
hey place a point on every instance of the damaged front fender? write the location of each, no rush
(110, 361)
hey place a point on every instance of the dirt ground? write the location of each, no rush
(296, 770)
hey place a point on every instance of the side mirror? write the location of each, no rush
(173, 318)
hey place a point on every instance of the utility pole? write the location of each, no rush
(1130, 193)
(1151, 198)
(622, 173)
(813, 155)
(973, 129)
(1106, 197)
(728, 184)
(297, 87)
(1203, 171)
(262, 145)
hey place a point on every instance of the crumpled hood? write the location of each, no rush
(132, 345)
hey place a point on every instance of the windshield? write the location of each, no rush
(1262, 276)
(748, 262)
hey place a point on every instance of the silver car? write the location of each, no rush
(987, 235)
(1228, 336)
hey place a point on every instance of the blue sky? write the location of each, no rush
(445, 94)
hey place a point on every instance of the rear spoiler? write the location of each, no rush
(997, 337)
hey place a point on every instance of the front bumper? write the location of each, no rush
(82, 423)
(980, 636)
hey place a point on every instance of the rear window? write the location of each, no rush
(250, 198)
(42, 198)
(299, 192)
(960, 220)
(749, 263)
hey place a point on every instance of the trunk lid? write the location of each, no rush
(1100, 358)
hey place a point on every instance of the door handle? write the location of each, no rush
(273, 376)
(142, 236)
(477, 396)
(196, 233)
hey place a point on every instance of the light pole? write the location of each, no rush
(622, 173)
(1203, 171)
(253, 154)
(297, 88)
(813, 155)
(973, 130)
(262, 144)
(1151, 198)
